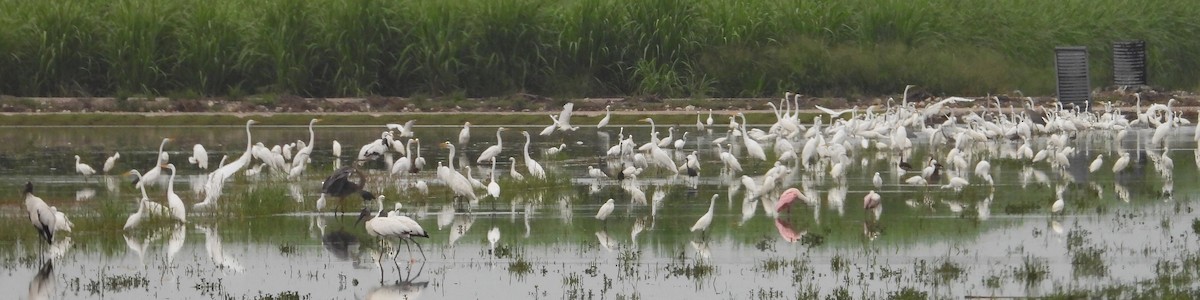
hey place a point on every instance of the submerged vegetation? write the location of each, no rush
(675, 48)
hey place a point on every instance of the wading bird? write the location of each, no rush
(494, 150)
(382, 227)
(111, 162)
(199, 157)
(706, 219)
(178, 210)
(150, 176)
(40, 214)
(338, 185)
(83, 169)
(605, 210)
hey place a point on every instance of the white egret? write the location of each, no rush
(1058, 205)
(457, 182)
(494, 150)
(550, 129)
(753, 148)
(552, 151)
(493, 188)
(699, 124)
(178, 210)
(607, 116)
(1121, 163)
(564, 118)
(405, 130)
(150, 176)
(596, 173)
(111, 162)
(709, 122)
(1096, 164)
(535, 169)
(605, 210)
(706, 219)
(135, 219)
(337, 149)
(681, 141)
(729, 160)
(61, 223)
(464, 135)
(983, 169)
(199, 157)
(83, 169)
(512, 169)
(217, 178)
(877, 181)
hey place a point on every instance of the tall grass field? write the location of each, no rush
(672, 48)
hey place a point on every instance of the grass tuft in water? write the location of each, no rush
(1031, 271)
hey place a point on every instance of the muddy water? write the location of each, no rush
(983, 240)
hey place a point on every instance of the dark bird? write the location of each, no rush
(338, 185)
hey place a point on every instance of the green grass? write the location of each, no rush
(671, 48)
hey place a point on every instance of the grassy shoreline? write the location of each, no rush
(669, 48)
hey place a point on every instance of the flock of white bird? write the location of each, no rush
(815, 150)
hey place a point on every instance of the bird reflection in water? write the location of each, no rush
(787, 232)
(407, 287)
(42, 285)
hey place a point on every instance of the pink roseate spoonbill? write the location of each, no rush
(785, 200)
(871, 201)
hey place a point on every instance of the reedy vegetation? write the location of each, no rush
(573, 48)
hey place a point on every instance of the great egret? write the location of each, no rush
(418, 162)
(40, 214)
(457, 182)
(699, 124)
(61, 223)
(877, 181)
(135, 219)
(338, 185)
(464, 135)
(753, 148)
(550, 129)
(83, 169)
(1096, 164)
(178, 210)
(1058, 205)
(605, 210)
(493, 188)
(709, 122)
(512, 169)
(151, 175)
(337, 149)
(596, 173)
(535, 169)
(405, 130)
(111, 162)
(983, 169)
(199, 157)
(706, 219)
(1121, 163)
(494, 150)
(564, 118)
(681, 141)
(604, 121)
(729, 160)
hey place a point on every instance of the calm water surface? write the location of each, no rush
(984, 240)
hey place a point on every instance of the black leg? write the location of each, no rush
(419, 248)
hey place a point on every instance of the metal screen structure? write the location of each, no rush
(1071, 67)
(1129, 63)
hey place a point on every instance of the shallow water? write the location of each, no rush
(992, 241)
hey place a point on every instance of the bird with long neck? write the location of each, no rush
(216, 179)
(151, 175)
